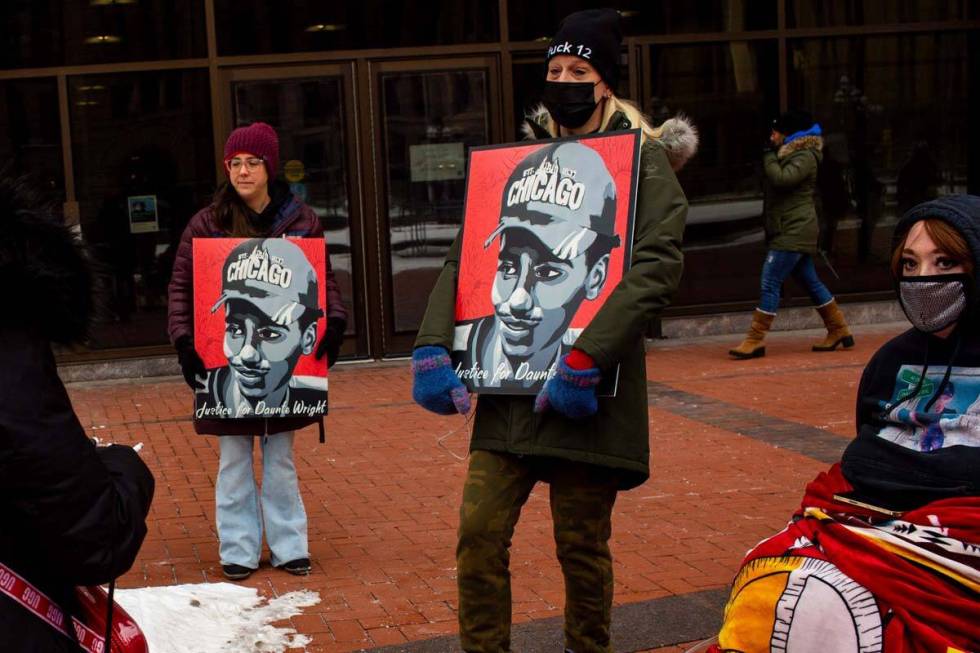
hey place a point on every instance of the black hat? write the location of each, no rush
(593, 35)
(794, 120)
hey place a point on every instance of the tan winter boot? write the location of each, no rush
(837, 331)
(752, 346)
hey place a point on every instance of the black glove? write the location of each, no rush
(329, 344)
(191, 365)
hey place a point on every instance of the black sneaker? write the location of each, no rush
(236, 572)
(299, 566)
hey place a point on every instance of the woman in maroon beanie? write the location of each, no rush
(252, 204)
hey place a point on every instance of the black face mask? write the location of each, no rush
(570, 103)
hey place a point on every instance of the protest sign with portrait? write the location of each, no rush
(259, 310)
(547, 234)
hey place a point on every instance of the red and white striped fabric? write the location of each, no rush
(844, 578)
(92, 605)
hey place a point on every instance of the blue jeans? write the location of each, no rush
(778, 267)
(237, 502)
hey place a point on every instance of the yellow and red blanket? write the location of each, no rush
(844, 578)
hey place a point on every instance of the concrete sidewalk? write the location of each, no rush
(733, 444)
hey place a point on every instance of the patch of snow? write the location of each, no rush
(215, 618)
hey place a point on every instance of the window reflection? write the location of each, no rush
(53, 33)
(835, 13)
(730, 91)
(430, 121)
(30, 134)
(259, 27)
(529, 21)
(143, 158)
(888, 144)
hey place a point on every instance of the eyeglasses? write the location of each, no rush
(250, 164)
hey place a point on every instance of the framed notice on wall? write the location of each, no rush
(547, 235)
(143, 216)
(259, 311)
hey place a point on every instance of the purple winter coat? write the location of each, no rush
(294, 219)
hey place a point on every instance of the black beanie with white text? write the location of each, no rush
(593, 35)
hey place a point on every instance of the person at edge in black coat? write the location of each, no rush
(71, 513)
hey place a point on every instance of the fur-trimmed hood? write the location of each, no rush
(46, 281)
(678, 135)
(799, 144)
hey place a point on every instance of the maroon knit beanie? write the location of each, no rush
(259, 139)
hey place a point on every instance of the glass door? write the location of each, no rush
(428, 114)
(312, 109)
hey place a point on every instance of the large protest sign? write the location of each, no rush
(547, 235)
(259, 311)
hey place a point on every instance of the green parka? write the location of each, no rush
(790, 181)
(618, 435)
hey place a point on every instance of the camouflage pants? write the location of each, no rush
(582, 498)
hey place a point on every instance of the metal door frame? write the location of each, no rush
(385, 341)
(358, 346)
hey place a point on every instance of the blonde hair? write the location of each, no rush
(677, 136)
(632, 112)
(613, 104)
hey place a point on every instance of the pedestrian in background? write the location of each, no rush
(790, 168)
(253, 203)
(587, 448)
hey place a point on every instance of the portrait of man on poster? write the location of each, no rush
(556, 230)
(269, 294)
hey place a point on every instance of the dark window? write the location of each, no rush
(528, 83)
(431, 120)
(897, 131)
(308, 114)
(529, 21)
(260, 27)
(835, 13)
(730, 92)
(143, 155)
(52, 33)
(32, 35)
(30, 134)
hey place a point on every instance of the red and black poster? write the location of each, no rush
(259, 311)
(547, 235)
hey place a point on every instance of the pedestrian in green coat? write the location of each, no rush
(791, 233)
(517, 440)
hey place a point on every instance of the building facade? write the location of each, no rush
(119, 109)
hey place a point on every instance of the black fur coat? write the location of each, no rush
(72, 513)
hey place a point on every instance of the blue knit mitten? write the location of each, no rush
(571, 392)
(435, 385)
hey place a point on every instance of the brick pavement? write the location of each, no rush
(733, 444)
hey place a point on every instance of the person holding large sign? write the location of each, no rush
(554, 254)
(270, 300)
(586, 446)
(254, 204)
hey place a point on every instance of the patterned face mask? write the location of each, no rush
(933, 302)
